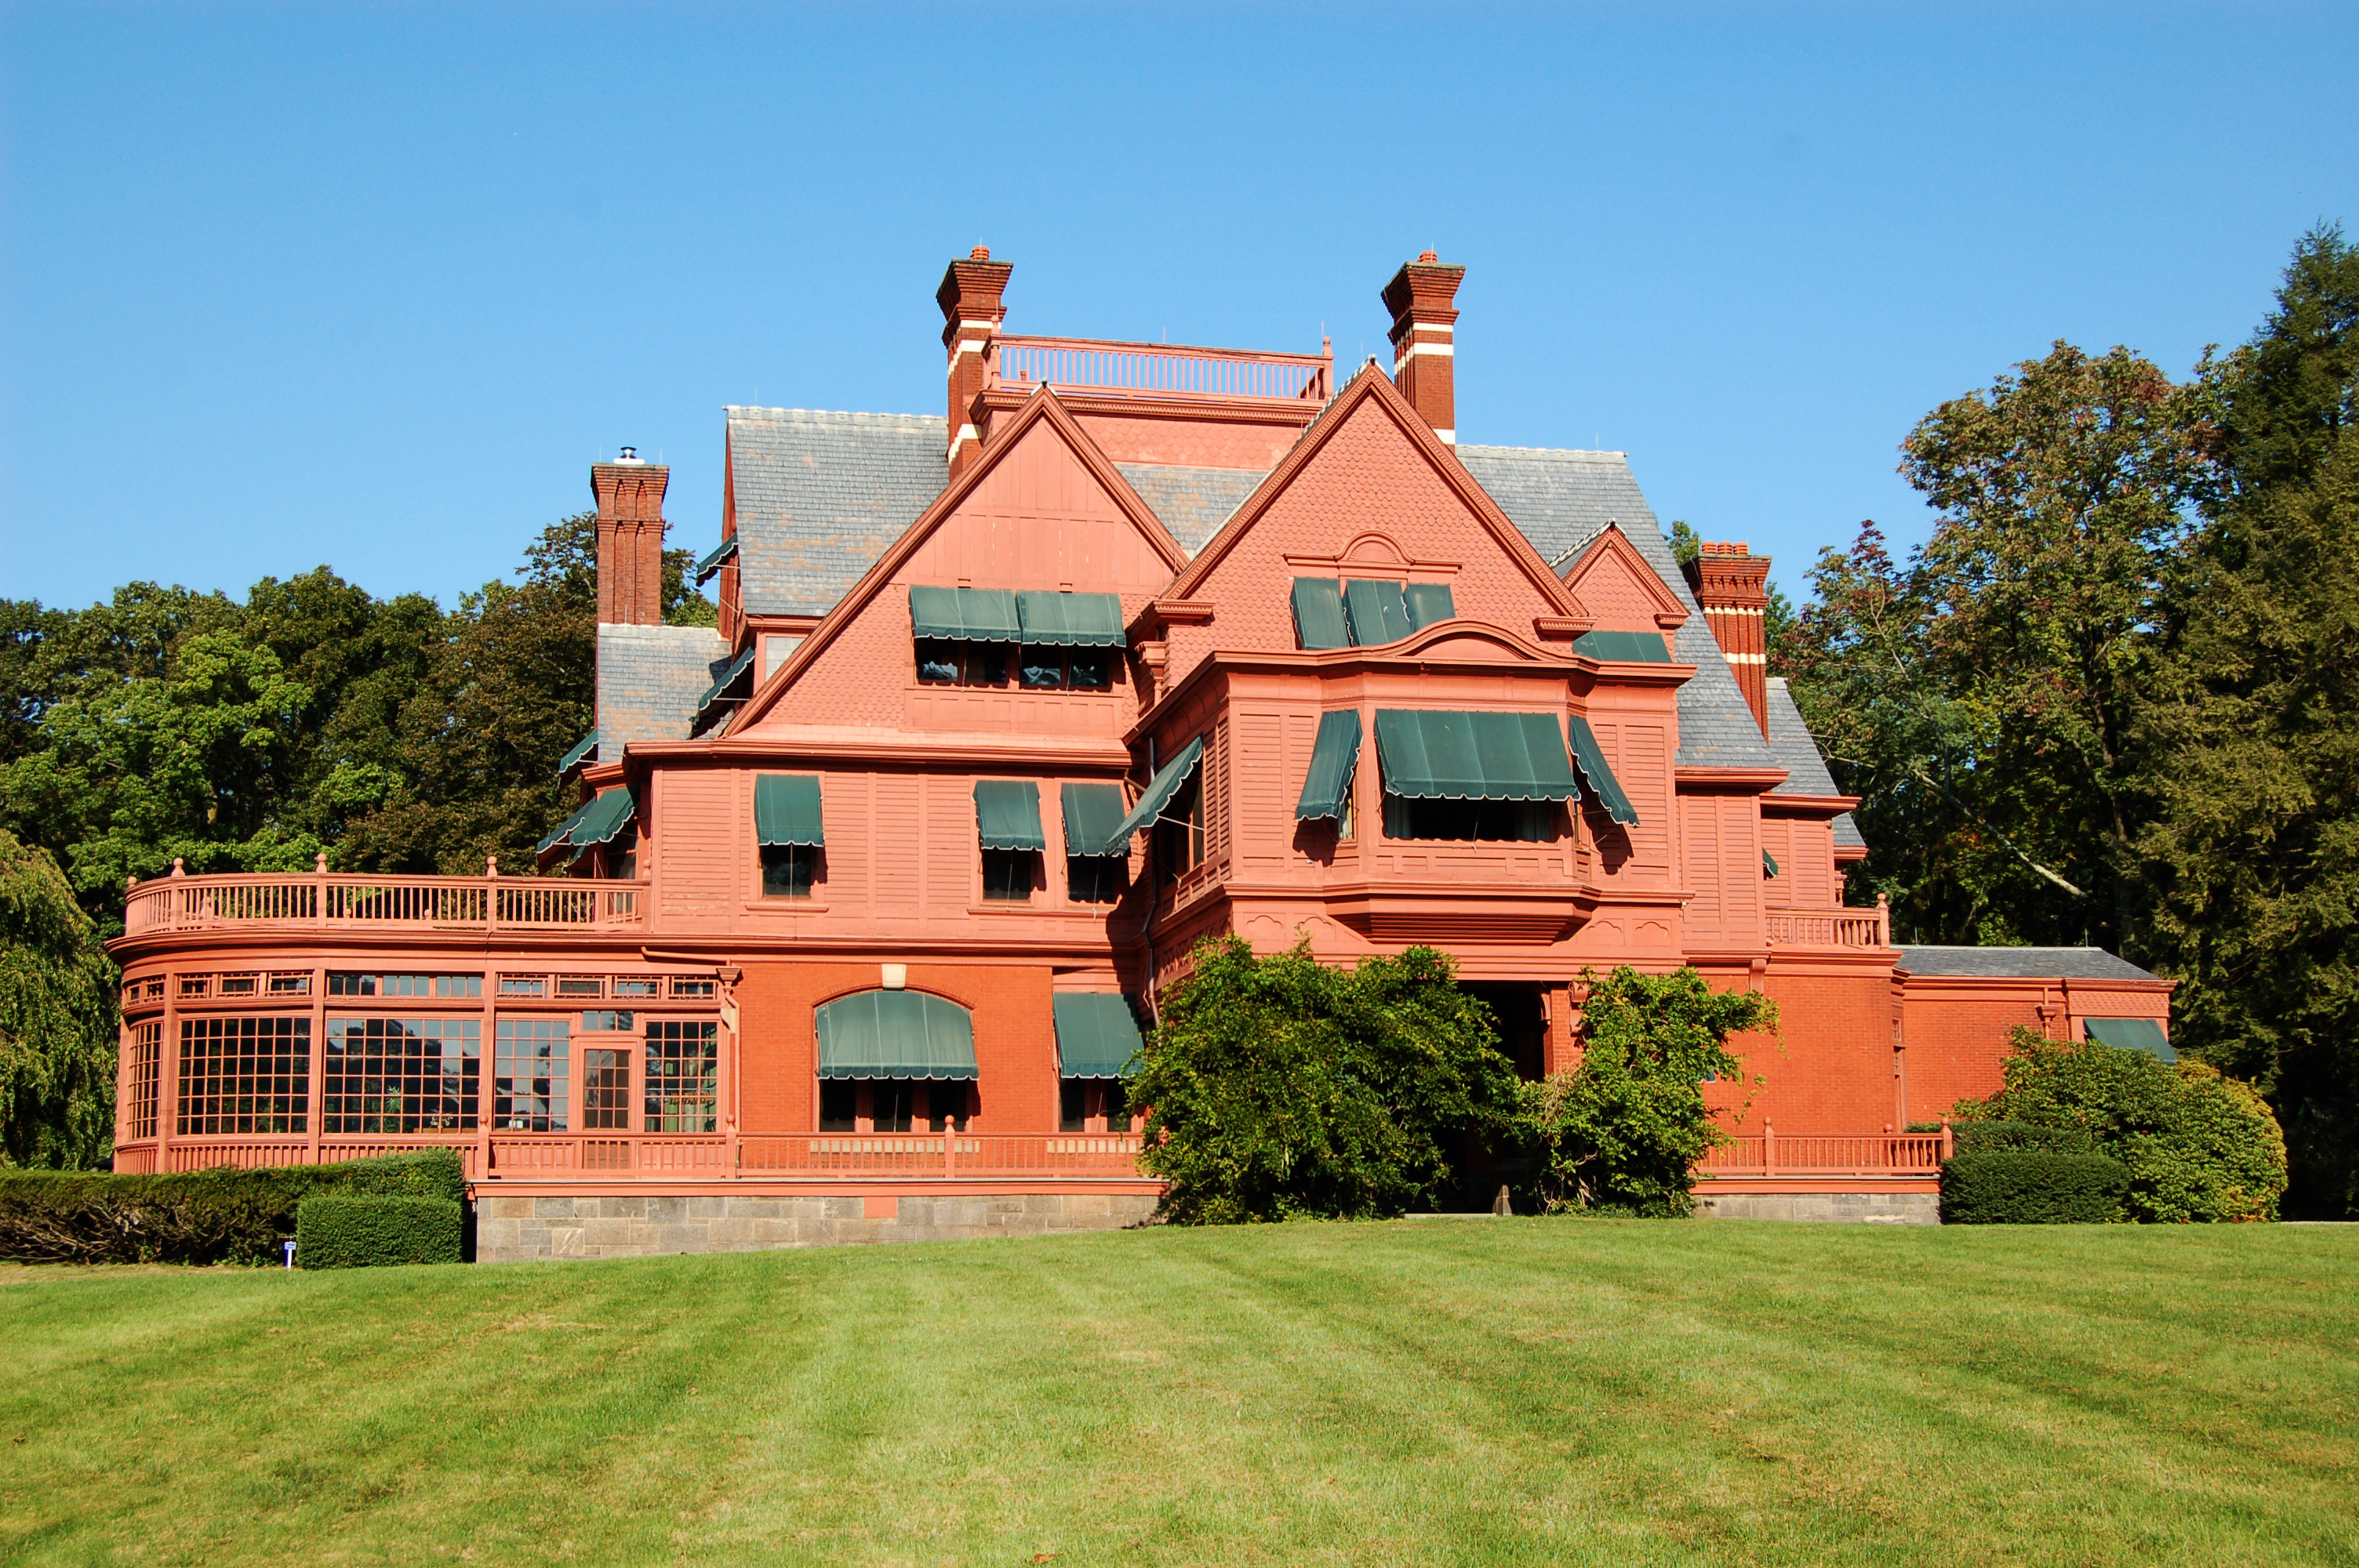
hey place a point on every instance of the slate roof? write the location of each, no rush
(2022, 963)
(821, 495)
(1562, 501)
(1192, 502)
(1793, 748)
(650, 681)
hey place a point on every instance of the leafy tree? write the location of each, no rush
(57, 1020)
(1279, 1087)
(1622, 1132)
(2199, 1146)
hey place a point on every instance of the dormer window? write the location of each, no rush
(1042, 641)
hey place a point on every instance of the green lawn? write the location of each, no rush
(1434, 1391)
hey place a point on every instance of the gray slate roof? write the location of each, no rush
(1562, 501)
(1794, 749)
(821, 495)
(2022, 963)
(650, 681)
(1192, 502)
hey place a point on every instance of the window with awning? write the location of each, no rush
(603, 819)
(1169, 781)
(1049, 640)
(1430, 602)
(895, 1034)
(563, 832)
(1589, 758)
(1475, 775)
(1070, 620)
(720, 556)
(732, 686)
(2132, 1034)
(790, 833)
(964, 614)
(1097, 1035)
(1629, 647)
(1318, 613)
(1097, 857)
(1335, 759)
(1362, 613)
(583, 751)
(1377, 612)
(1007, 825)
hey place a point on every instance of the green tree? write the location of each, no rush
(1279, 1087)
(1622, 1132)
(57, 1020)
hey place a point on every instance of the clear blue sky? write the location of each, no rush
(373, 287)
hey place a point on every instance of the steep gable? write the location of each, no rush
(1620, 590)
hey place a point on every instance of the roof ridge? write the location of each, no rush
(756, 409)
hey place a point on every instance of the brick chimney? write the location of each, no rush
(1419, 297)
(630, 493)
(1732, 585)
(972, 315)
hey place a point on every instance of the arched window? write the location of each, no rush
(889, 1060)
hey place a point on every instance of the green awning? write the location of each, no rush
(1070, 620)
(1318, 613)
(602, 819)
(1433, 754)
(1159, 791)
(563, 830)
(1590, 757)
(1335, 757)
(1769, 864)
(895, 1034)
(1007, 814)
(1630, 647)
(1430, 602)
(713, 693)
(580, 753)
(715, 559)
(1094, 814)
(1097, 1035)
(964, 614)
(786, 810)
(1378, 612)
(2132, 1034)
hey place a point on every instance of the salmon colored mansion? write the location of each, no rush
(871, 887)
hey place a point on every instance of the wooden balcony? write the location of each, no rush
(1157, 370)
(324, 901)
(1769, 1153)
(1846, 928)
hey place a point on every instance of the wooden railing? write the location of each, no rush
(325, 900)
(1846, 928)
(943, 1154)
(285, 1149)
(1157, 371)
(968, 1156)
(1771, 1154)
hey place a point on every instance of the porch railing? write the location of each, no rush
(1772, 1153)
(322, 899)
(1152, 370)
(943, 1154)
(1846, 927)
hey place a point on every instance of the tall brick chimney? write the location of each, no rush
(630, 493)
(972, 315)
(1732, 585)
(1419, 297)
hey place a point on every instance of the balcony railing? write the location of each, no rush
(1772, 1153)
(1846, 928)
(342, 900)
(941, 1154)
(1150, 370)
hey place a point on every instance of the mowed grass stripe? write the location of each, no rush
(1421, 1391)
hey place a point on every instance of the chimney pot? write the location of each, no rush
(1420, 298)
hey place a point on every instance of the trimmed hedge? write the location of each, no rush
(1992, 1137)
(2032, 1186)
(353, 1231)
(195, 1216)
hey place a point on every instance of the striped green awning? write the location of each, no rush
(1590, 757)
(602, 819)
(1094, 814)
(1430, 602)
(2132, 1034)
(1070, 620)
(1629, 647)
(580, 753)
(1432, 755)
(895, 1034)
(721, 685)
(1318, 613)
(1097, 1035)
(563, 831)
(715, 559)
(964, 614)
(1334, 758)
(786, 810)
(1159, 791)
(1378, 612)
(1007, 814)
(1769, 864)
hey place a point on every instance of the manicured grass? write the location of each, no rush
(1460, 1392)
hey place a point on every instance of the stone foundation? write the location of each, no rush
(1873, 1208)
(514, 1229)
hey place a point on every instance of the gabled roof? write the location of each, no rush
(1797, 751)
(1562, 501)
(819, 495)
(650, 681)
(1193, 502)
(2022, 963)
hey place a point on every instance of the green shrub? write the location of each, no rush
(2032, 1186)
(1993, 1137)
(360, 1231)
(2199, 1146)
(196, 1216)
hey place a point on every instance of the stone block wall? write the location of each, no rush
(1873, 1208)
(514, 1229)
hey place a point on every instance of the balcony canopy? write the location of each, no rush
(786, 810)
(1007, 814)
(1097, 1035)
(966, 614)
(1070, 620)
(1094, 814)
(2132, 1034)
(1159, 791)
(1334, 758)
(895, 1034)
(1432, 754)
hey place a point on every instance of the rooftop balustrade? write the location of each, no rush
(1153, 370)
(324, 900)
(1847, 927)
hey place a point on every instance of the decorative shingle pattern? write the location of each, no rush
(1562, 501)
(2021, 963)
(650, 681)
(1792, 747)
(1192, 502)
(821, 495)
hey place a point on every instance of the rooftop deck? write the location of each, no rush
(1158, 369)
(322, 899)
